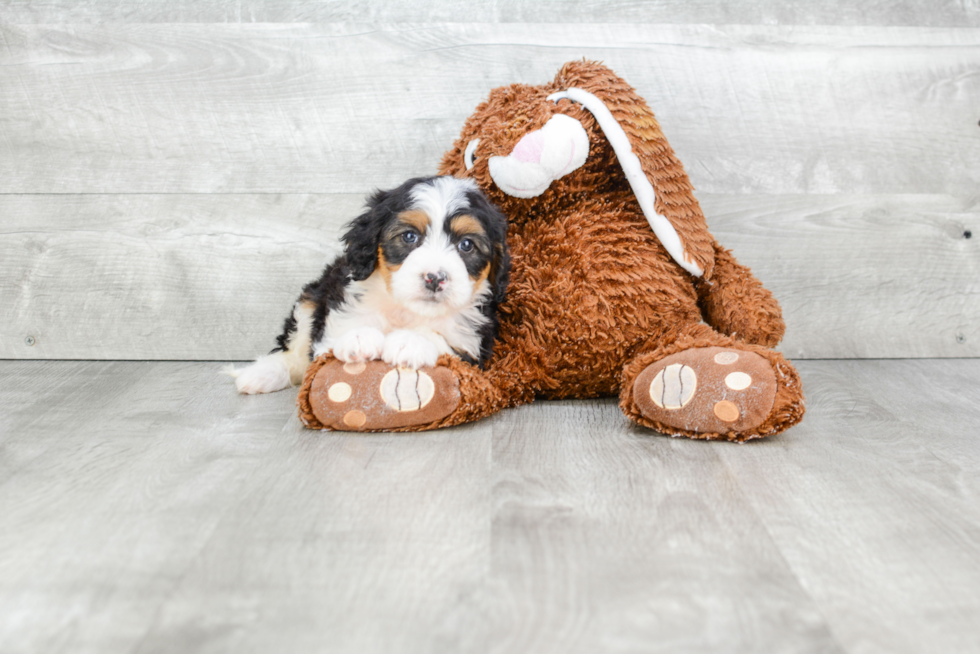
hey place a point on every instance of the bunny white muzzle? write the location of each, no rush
(541, 157)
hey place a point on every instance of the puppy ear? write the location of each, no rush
(495, 223)
(656, 175)
(363, 236)
(499, 271)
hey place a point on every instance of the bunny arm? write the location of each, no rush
(735, 302)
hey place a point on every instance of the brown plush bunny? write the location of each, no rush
(617, 287)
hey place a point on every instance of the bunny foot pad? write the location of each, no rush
(373, 396)
(707, 390)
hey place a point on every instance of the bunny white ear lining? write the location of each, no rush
(638, 180)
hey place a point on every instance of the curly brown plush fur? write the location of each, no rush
(594, 297)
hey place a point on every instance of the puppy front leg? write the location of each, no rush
(357, 344)
(405, 348)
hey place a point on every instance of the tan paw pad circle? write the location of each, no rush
(674, 386)
(355, 419)
(354, 367)
(726, 411)
(404, 389)
(738, 381)
(726, 358)
(339, 392)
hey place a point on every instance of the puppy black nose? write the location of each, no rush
(435, 281)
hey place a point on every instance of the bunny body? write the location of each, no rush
(617, 286)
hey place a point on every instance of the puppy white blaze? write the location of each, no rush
(541, 157)
(440, 199)
(641, 186)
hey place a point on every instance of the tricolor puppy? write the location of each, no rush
(423, 270)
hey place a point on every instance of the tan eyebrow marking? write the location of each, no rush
(416, 218)
(466, 224)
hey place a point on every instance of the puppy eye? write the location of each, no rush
(466, 245)
(469, 157)
(410, 237)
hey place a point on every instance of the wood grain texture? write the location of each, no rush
(132, 492)
(145, 507)
(213, 276)
(607, 539)
(387, 531)
(124, 471)
(341, 108)
(888, 482)
(948, 13)
(159, 277)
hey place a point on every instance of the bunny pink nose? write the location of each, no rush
(529, 148)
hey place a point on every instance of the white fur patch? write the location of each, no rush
(409, 349)
(267, 375)
(359, 344)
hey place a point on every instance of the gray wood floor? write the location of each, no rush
(144, 507)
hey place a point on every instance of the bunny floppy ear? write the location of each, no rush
(656, 176)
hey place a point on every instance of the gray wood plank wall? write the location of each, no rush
(917, 13)
(170, 175)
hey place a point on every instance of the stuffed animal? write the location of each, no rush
(616, 286)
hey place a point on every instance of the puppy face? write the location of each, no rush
(437, 243)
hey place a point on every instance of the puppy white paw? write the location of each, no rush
(408, 349)
(361, 344)
(267, 375)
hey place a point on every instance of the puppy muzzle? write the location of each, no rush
(435, 281)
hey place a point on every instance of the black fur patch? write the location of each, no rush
(396, 243)
(326, 293)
